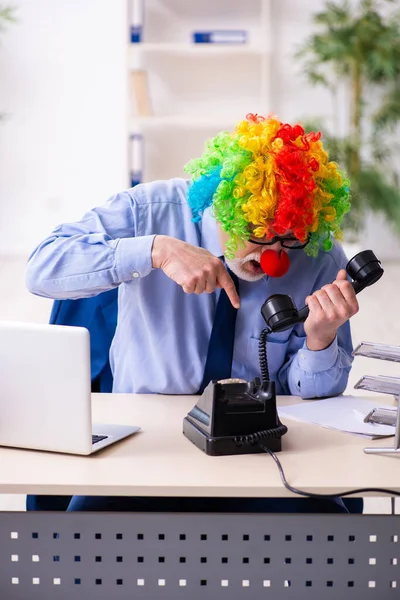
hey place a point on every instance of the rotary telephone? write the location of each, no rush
(232, 416)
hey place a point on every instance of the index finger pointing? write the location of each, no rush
(225, 281)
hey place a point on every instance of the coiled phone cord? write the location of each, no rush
(258, 436)
(262, 355)
(264, 434)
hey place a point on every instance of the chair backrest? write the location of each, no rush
(99, 315)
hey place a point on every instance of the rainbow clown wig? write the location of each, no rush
(269, 175)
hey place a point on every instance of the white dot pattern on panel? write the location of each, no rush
(382, 553)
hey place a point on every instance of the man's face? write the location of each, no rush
(246, 264)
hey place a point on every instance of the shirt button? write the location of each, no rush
(135, 274)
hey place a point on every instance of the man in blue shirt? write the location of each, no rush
(267, 186)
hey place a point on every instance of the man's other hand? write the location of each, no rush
(330, 307)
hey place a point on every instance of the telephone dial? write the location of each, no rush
(232, 416)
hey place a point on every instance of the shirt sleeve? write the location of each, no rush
(317, 374)
(93, 255)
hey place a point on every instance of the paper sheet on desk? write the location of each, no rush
(344, 413)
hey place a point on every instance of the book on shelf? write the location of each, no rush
(135, 159)
(141, 93)
(220, 36)
(136, 17)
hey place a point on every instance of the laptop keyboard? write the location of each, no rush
(98, 438)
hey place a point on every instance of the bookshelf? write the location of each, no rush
(187, 92)
(195, 49)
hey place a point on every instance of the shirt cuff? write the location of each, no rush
(133, 257)
(314, 361)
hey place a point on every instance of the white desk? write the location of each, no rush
(160, 461)
(95, 556)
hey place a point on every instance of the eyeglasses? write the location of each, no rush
(286, 242)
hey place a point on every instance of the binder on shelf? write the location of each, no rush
(381, 351)
(136, 17)
(220, 36)
(141, 93)
(135, 159)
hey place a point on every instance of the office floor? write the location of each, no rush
(377, 321)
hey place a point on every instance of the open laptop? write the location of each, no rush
(45, 395)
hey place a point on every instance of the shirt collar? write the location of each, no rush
(209, 234)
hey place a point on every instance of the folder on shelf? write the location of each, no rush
(141, 93)
(220, 36)
(136, 15)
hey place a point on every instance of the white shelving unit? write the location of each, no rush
(197, 90)
(190, 47)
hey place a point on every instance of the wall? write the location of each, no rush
(63, 90)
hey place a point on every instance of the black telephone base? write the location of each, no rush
(232, 416)
(223, 446)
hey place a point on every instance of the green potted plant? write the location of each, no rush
(359, 46)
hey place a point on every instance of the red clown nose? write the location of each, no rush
(275, 264)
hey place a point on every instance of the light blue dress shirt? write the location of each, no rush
(162, 335)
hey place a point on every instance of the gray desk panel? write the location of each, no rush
(97, 556)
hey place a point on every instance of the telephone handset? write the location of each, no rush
(280, 312)
(233, 416)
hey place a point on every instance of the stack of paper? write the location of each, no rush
(343, 413)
